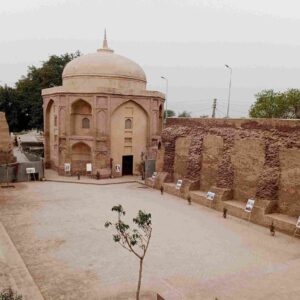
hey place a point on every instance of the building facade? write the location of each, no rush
(102, 115)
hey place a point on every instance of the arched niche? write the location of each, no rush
(80, 156)
(129, 141)
(160, 119)
(81, 110)
(102, 122)
(49, 132)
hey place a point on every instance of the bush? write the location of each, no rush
(9, 294)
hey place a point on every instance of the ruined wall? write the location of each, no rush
(253, 158)
(6, 155)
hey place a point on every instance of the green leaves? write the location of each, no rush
(23, 105)
(127, 238)
(184, 114)
(270, 104)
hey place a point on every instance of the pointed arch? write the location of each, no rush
(81, 154)
(129, 133)
(81, 114)
(49, 132)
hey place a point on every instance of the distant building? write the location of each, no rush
(102, 114)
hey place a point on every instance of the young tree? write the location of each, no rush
(134, 240)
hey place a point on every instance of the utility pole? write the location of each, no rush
(214, 107)
(229, 90)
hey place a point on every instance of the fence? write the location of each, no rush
(17, 172)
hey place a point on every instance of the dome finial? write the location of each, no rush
(105, 45)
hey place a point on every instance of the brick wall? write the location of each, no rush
(257, 158)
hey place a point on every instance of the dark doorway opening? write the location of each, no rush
(127, 165)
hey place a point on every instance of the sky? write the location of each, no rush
(187, 41)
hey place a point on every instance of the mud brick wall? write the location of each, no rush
(5, 143)
(257, 158)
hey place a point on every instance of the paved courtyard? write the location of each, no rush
(58, 229)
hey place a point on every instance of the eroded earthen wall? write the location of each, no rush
(252, 158)
(6, 155)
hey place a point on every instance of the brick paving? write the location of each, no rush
(58, 229)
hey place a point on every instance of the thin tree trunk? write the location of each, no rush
(140, 280)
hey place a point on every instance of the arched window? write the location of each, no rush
(85, 123)
(128, 124)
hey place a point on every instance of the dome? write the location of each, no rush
(104, 69)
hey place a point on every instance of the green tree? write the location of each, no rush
(270, 104)
(14, 108)
(184, 114)
(134, 240)
(29, 88)
(171, 113)
(23, 105)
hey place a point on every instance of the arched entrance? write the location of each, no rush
(129, 137)
(81, 155)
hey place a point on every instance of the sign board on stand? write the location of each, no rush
(30, 170)
(178, 184)
(89, 167)
(249, 207)
(210, 196)
(118, 168)
(297, 229)
(154, 176)
(67, 167)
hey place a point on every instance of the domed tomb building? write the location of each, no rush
(101, 115)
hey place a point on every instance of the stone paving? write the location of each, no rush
(58, 229)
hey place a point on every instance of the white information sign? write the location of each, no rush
(249, 205)
(89, 167)
(178, 184)
(118, 168)
(210, 196)
(154, 175)
(30, 170)
(67, 167)
(298, 223)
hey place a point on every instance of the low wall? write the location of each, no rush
(253, 158)
(17, 172)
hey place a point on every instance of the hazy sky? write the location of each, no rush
(188, 41)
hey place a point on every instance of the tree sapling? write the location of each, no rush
(134, 240)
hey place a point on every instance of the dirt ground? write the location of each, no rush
(58, 229)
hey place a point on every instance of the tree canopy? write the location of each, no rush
(184, 114)
(23, 104)
(171, 113)
(270, 104)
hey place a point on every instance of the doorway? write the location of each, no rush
(127, 165)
